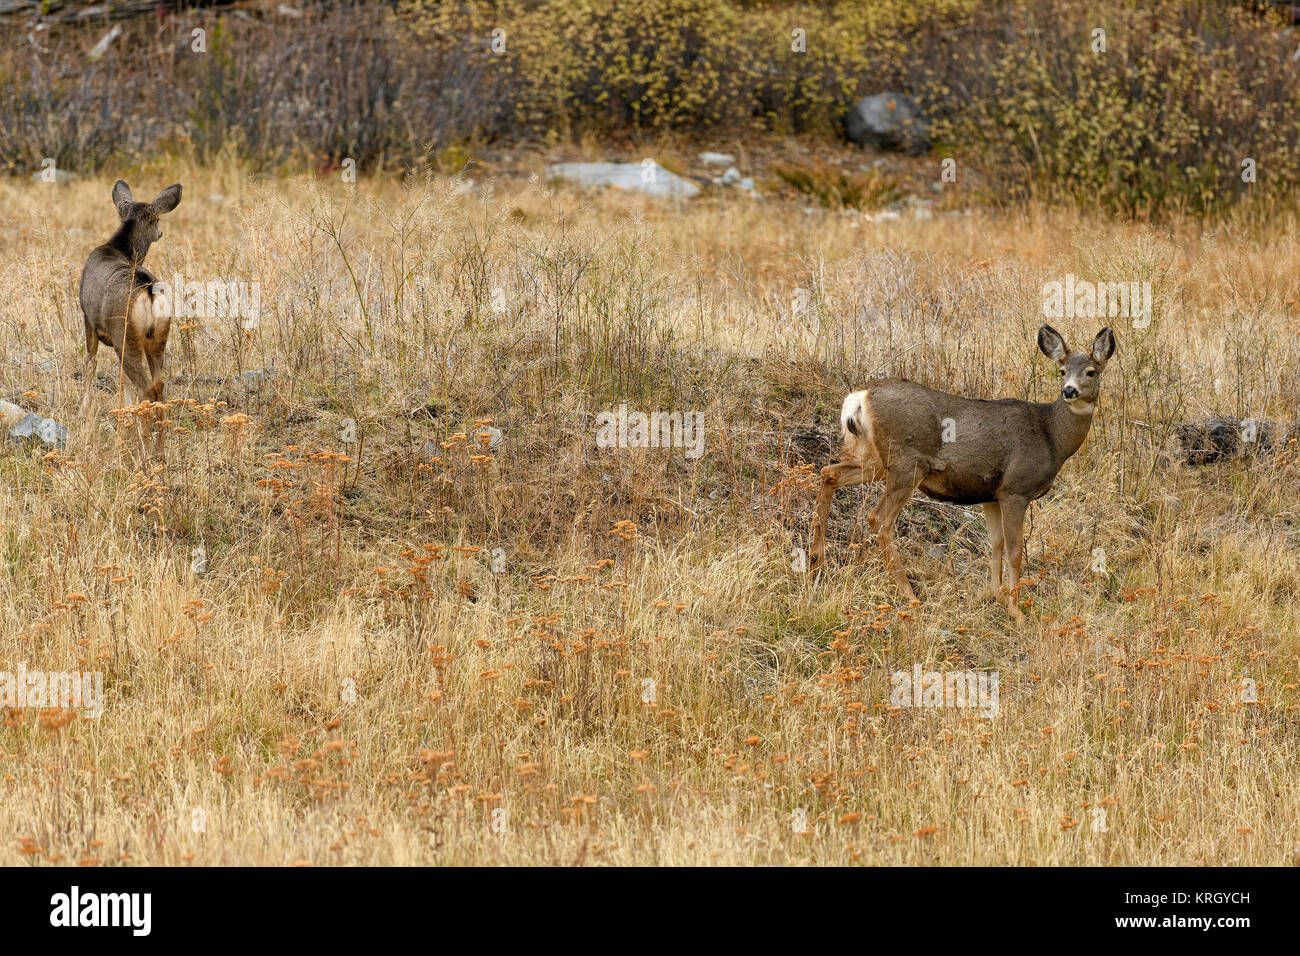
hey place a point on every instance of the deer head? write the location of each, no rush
(1080, 372)
(139, 229)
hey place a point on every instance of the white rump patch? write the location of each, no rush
(854, 410)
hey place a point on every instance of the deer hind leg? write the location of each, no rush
(144, 427)
(133, 369)
(88, 373)
(144, 339)
(900, 483)
(993, 519)
(156, 395)
(1013, 528)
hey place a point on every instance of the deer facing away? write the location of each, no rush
(1001, 454)
(119, 303)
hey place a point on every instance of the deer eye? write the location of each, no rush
(1091, 372)
(1061, 371)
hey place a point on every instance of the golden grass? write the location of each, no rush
(345, 686)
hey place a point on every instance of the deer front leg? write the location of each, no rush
(833, 477)
(899, 486)
(993, 519)
(88, 373)
(1013, 527)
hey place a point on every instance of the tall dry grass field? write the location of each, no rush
(433, 644)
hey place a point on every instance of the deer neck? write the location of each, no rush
(1067, 427)
(124, 242)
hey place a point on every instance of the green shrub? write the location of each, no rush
(1162, 119)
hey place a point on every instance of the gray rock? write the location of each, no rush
(731, 176)
(649, 178)
(256, 378)
(717, 159)
(921, 208)
(30, 361)
(47, 431)
(495, 437)
(60, 176)
(746, 184)
(889, 121)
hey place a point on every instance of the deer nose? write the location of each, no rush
(1070, 391)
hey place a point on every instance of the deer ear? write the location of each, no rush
(167, 200)
(1053, 346)
(1103, 346)
(122, 197)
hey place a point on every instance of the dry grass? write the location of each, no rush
(351, 682)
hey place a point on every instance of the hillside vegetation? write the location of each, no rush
(393, 636)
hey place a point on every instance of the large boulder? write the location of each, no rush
(646, 177)
(889, 121)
